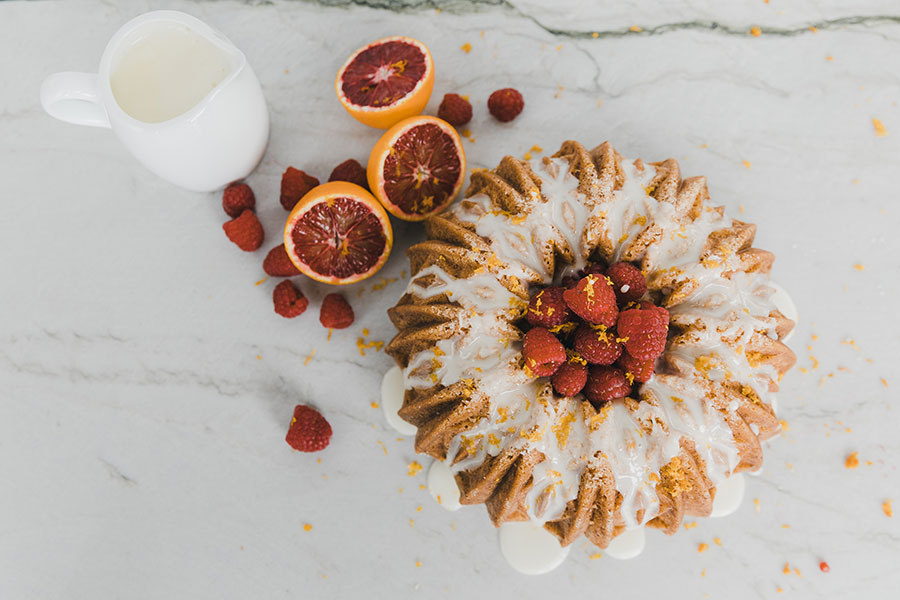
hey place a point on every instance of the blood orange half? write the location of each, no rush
(338, 233)
(417, 167)
(386, 81)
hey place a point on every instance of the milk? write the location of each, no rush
(166, 71)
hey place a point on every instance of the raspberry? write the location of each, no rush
(350, 170)
(309, 431)
(289, 301)
(335, 313)
(237, 198)
(543, 352)
(294, 185)
(455, 109)
(278, 264)
(246, 231)
(645, 330)
(597, 346)
(605, 384)
(594, 300)
(641, 370)
(570, 378)
(547, 308)
(628, 281)
(506, 104)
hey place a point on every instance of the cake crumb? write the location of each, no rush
(755, 31)
(307, 527)
(852, 461)
(880, 129)
(413, 468)
(702, 547)
(467, 47)
(888, 508)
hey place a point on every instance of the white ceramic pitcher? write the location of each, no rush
(218, 140)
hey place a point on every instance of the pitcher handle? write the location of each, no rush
(74, 98)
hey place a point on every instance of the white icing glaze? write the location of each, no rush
(523, 413)
(729, 495)
(785, 304)
(442, 486)
(529, 548)
(627, 544)
(392, 389)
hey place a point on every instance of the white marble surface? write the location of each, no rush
(147, 384)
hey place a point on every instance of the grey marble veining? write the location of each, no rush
(147, 384)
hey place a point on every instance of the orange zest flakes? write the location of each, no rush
(383, 447)
(595, 556)
(880, 129)
(859, 267)
(852, 461)
(829, 58)
(330, 331)
(467, 47)
(718, 541)
(373, 404)
(635, 29)
(383, 283)
(755, 31)
(307, 527)
(850, 342)
(702, 547)
(786, 569)
(746, 164)
(595, 34)
(413, 469)
(412, 522)
(756, 505)
(418, 563)
(785, 526)
(362, 345)
(261, 281)
(887, 508)
(813, 29)
(884, 382)
(536, 148)
(784, 425)
(418, 509)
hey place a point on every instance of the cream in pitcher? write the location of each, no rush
(178, 94)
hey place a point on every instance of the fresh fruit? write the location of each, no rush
(237, 198)
(350, 170)
(570, 378)
(386, 81)
(542, 351)
(309, 431)
(605, 384)
(628, 282)
(506, 104)
(294, 185)
(289, 300)
(644, 331)
(597, 345)
(278, 264)
(547, 308)
(338, 233)
(455, 109)
(245, 231)
(417, 167)
(336, 312)
(640, 370)
(594, 300)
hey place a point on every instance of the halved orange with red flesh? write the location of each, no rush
(386, 81)
(417, 167)
(338, 233)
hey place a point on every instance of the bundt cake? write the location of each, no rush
(573, 465)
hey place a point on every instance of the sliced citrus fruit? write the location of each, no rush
(338, 233)
(386, 81)
(417, 167)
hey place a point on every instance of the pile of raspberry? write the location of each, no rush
(596, 333)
